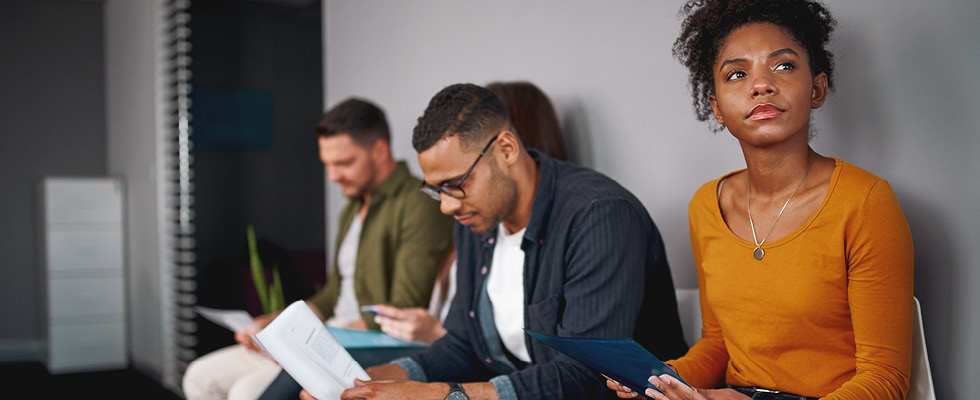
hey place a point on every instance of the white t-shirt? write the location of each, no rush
(438, 307)
(346, 310)
(505, 287)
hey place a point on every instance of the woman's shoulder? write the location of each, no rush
(858, 187)
(710, 190)
(706, 200)
(852, 178)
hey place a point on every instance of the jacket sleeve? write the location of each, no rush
(424, 237)
(452, 357)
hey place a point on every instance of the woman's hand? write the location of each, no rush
(673, 389)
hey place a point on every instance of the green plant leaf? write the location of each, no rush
(258, 276)
(276, 296)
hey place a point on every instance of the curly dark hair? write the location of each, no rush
(463, 109)
(707, 23)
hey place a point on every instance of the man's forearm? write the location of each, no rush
(390, 372)
(394, 372)
(480, 391)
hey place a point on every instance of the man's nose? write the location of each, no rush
(332, 174)
(448, 204)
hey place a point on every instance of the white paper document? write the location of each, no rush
(234, 320)
(303, 346)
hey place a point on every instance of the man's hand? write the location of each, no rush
(409, 324)
(395, 390)
(258, 323)
(384, 373)
(621, 390)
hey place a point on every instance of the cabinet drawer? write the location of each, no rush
(79, 250)
(74, 298)
(78, 347)
(83, 200)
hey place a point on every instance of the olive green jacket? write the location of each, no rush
(404, 238)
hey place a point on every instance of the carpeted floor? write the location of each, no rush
(120, 384)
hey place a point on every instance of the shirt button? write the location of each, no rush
(484, 270)
(488, 360)
(472, 314)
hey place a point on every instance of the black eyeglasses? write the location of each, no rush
(454, 190)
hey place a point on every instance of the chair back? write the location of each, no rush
(920, 381)
(689, 309)
(921, 386)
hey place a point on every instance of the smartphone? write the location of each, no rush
(369, 309)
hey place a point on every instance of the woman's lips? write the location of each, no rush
(764, 111)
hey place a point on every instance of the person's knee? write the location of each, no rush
(252, 385)
(210, 376)
(194, 383)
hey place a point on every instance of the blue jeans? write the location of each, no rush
(764, 395)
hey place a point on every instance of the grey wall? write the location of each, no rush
(904, 109)
(52, 122)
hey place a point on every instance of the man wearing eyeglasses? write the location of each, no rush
(541, 244)
(391, 242)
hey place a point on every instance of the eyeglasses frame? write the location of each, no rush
(435, 191)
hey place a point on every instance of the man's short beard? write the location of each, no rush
(504, 189)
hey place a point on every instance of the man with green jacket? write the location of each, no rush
(391, 242)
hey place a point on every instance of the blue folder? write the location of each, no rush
(371, 348)
(359, 339)
(621, 359)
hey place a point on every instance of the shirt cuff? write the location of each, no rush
(412, 368)
(504, 387)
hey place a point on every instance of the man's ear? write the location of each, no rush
(381, 149)
(819, 92)
(717, 110)
(508, 146)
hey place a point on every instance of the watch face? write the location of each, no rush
(457, 396)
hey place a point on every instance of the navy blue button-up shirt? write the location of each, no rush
(594, 266)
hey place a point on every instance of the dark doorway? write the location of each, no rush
(257, 81)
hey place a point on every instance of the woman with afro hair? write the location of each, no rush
(804, 261)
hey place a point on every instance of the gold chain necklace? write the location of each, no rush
(758, 253)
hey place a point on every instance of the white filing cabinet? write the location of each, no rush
(83, 281)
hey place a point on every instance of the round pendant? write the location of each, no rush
(758, 253)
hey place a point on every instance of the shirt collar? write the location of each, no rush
(544, 198)
(391, 184)
(541, 207)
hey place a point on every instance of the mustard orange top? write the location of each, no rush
(827, 312)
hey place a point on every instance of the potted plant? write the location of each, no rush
(270, 296)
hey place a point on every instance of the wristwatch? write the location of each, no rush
(456, 392)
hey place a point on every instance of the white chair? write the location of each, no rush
(921, 386)
(689, 308)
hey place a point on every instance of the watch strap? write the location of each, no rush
(456, 391)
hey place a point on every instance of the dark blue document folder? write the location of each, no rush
(621, 359)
